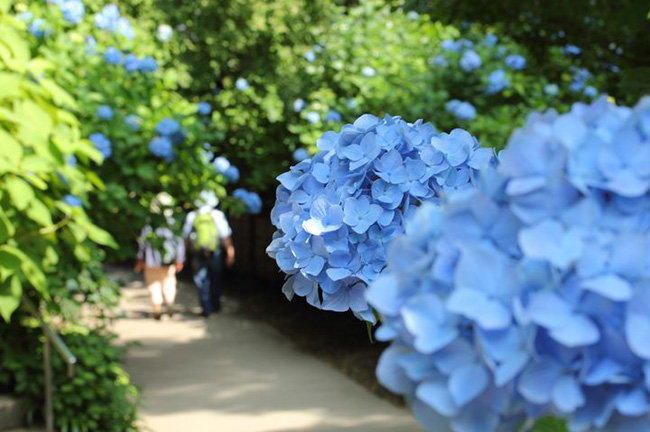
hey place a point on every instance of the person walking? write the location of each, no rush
(208, 234)
(161, 255)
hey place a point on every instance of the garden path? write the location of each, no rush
(232, 374)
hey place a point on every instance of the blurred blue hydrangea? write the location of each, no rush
(73, 10)
(497, 81)
(300, 154)
(72, 201)
(165, 33)
(298, 105)
(515, 62)
(470, 61)
(528, 295)
(590, 91)
(131, 63)
(133, 122)
(413, 15)
(241, 84)
(231, 174)
(221, 164)
(450, 45)
(333, 116)
(102, 143)
(551, 89)
(104, 112)
(462, 110)
(251, 200)
(312, 117)
(25, 16)
(112, 56)
(71, 160)
(168, 127)
(368, 71)
(491, 39)
(91, 45)
(148, 64)
(124, 28)
(204, 108)
(571, 49)
(440, 61)
(336, 212)
(107, 18)
(310, 56)
(162, 147)
(39, 28)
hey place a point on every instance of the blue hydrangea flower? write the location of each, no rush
(413, 15)
(72, 201)
(104, 112)
(71, 160)
(162, 147)
(107, 18)
(123, 28)
(368, 72)
(527, 296)
(312, 117)
(351, 103)
(131, 63)
(102, 144)
(462, 110)
(497, 81)
(39, 28)
(336, 212)
(251, 200)
(231, 174)
(298, 105)
(133, 122)
(491, 39)
(242, 84)
(450, 45)
(91, 45)
(300, 154)
(333, 116)
(515, 62)
(165, 33)
(204, 108)
(470, 61)
(148, 64)
(168, 127)
(571, 49)
(221, 164)
(440, 61)
(310, 56)
(590, 91)
(112, 56)
(25, 16)
(73, 10)
(551, 89)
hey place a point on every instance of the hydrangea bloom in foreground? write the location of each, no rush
(336, 213)
(529, 296)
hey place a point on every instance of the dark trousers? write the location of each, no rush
(207, 269)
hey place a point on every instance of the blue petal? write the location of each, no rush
(609, 286)
(633, 403)
(567, 394)
(389, 373)
(437, 396)
(576, 331)
(637, 331)
(538, 380)
(383, 294)
(467, 382)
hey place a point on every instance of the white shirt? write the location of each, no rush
(173, 248)
(223, 228)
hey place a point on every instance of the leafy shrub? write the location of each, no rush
(99, 397)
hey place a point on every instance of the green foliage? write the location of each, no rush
(37, 134)
(549, 424)
(99, 397)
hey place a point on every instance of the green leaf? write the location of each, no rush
(10, 149)
(7, 229)
(146, 171)
(20, 191)
(9, 85)
(28, 267)
(97, 234)
(39, 213)
(36, 164)
(11, 292)
(549, 424)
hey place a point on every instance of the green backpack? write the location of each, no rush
(206, 237)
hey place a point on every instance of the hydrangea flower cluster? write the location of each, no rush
(113, 56)
(242, 84)
(39, 28)
(134, 64)
(335, 213)
(73, 10)
(462, 110)
(104, 112)
(204, 108)
(333, 116)
(133, 122)
(72, 201)
(529, 295)
(251, 200)
(102, 144)
(109, 19)
(497, 81)
(162, 147)
(224, 167)
(515, 62)
(470, 61)
(312, 117)
(165, 33)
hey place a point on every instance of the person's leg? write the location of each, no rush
(200, 269)
(169, 289)
(154, 279)
(216, 268)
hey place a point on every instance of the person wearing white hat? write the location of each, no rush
(161, 255)
(208, 234)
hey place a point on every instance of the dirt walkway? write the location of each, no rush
(231, 374)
